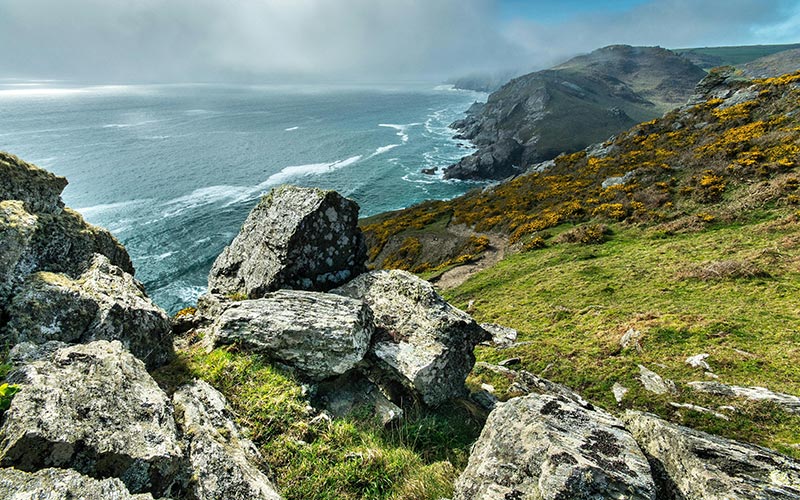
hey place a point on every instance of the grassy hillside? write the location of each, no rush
(729, 290)
(711, 162)
(708, 57)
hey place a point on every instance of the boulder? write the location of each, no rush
(502, 336)
(786, 401)
(321, 335)
(421, 342)
(223, 462)
(298, 238)
(691, 464)
(38, 189)
(352, 392)
(550, 447)
(61, 484)
(104, 303)
(93, 408)
(654, 383)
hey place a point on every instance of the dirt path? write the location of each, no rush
(458, 275)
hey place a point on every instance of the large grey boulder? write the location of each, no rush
(93, 408)
(691, 464)
(550, 447)
(223, 462)
(298, 238)
(38, 189)
(421, 342)
(61, 484)
(321, 335)
(104, 303)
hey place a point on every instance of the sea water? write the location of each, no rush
(173, 170)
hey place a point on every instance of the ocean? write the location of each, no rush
(173, 170)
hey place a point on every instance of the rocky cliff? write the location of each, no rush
(535, 117)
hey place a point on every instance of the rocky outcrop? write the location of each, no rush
(535, 117)
(786, 401)
(298, 238)
(550, 447)
(222, 461)
(421, 343)
(320, 335)
(39, 190)
(502, 336)
(690, 464)
(95, 409)
(655, 383)
(61, 484)
(104, 303)
(61, 277)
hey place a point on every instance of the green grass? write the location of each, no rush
(573, 303)
(349, 458)
(740, 54)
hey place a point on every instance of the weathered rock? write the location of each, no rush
(550, 447)
(95, 409)
(38, 189)
(699, 409)
(61, 484)
(28, 352)
(57, 242)
(298, 238)
(352, 392)
(502, 336)
(104, 303)
(689, 464)
(223, 462)
(656, 384)
(17, 228)
(421, 341)
(698, 361)
(321, 335)
(631, 339)
(619, 392)
(786, 401)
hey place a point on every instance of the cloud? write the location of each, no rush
(213, 40)
(179, 39)
(668, 23)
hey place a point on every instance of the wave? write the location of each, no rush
(128, 125)
(290, 129)
(402, 130)
(230, 195)
(306, 170)
(94, 210)
(383, 149)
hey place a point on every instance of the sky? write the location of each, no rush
(110, 41)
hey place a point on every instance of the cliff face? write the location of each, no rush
(535, 117)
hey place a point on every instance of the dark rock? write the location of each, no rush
(430, 171)
(421, 344)
(298, 238)
(350, 393)
(497, 161)
(321, 335)
(510, 362)
(549, 447)
(690, 464)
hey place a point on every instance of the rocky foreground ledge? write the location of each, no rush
(89, 421)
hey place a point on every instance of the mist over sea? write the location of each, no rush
(173, 170)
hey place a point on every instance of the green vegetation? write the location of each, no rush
(349, 458)
(737, 54)
(6, 394)
(729, 290)
(690, 168)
